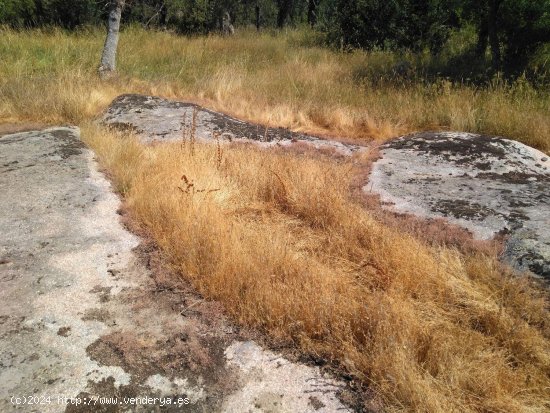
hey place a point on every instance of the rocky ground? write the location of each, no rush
(161, 120)
(89, 321)
(490, 186)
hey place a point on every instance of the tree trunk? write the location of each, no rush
(284, 11)
(494, 41)
(257, 17)
(108, 58)
(312, 12)
(227, 26)
(163, 15)
(482, 30)
(481, 47)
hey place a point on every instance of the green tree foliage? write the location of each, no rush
(17, 13)
(512, 30)
(201, 16)
(63, 13)
(522, 26)
(409, 24)
(78, 13)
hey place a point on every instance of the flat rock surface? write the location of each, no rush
(488, 185)
(86, 325)
(157, 119)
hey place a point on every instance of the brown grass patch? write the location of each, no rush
(278, 239)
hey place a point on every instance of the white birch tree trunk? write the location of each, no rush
(108, 58)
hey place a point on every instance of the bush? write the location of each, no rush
(17, 13)
(398, 24)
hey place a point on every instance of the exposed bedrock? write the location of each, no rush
(157, 119)
(488, 185)
(89, 322)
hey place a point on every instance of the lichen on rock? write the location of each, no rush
(488, 185)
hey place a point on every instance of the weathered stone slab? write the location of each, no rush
(86, 325)
(488, 185)
(157, 119)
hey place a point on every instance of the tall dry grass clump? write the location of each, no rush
(273, 79)
(278, 240)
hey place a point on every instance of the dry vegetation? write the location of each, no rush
(280, 80)
(278, 238)
(279, 241)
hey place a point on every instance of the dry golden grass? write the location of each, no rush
(276, 80)
(278, 240)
